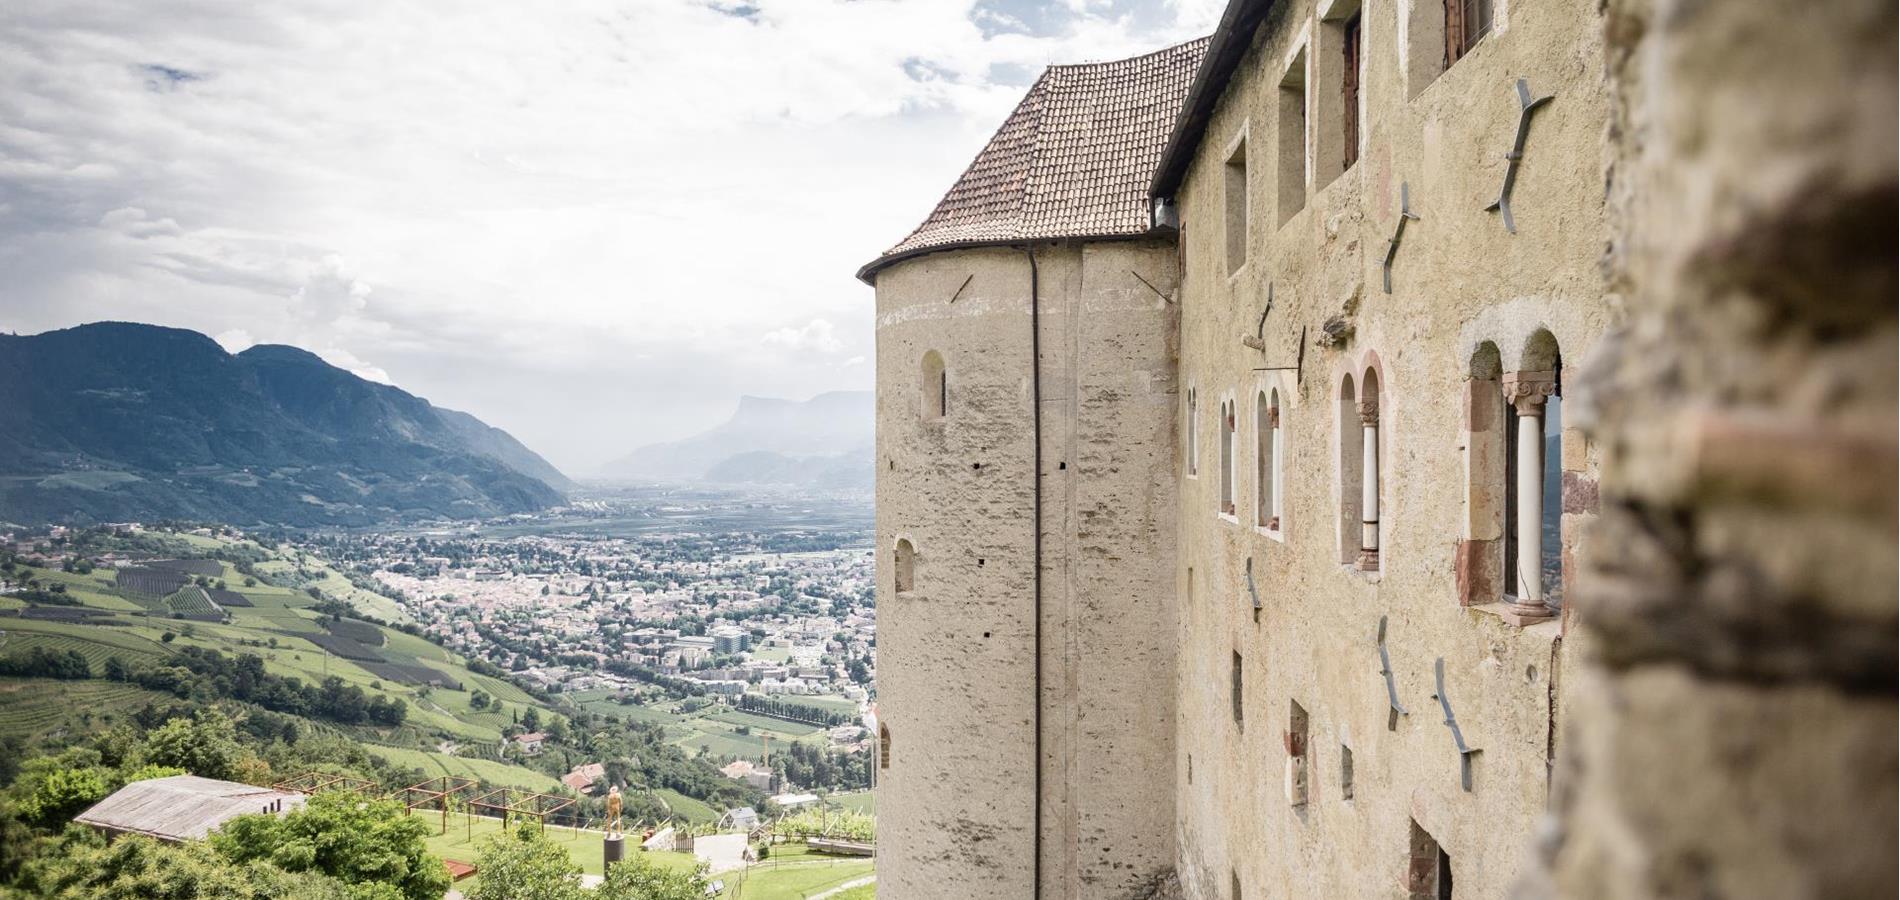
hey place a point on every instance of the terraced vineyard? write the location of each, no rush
(30, 705)
(192, 602)
(94, 642)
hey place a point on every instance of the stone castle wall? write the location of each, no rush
(1460, 281)
(958, 803)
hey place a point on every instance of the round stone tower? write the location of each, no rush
(1025, 504)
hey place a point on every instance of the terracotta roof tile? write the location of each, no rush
(1073, 160)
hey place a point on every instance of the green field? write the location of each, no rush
(693, 811)
(488, 771)
(860, 801)
(792, 873)
(277, 629)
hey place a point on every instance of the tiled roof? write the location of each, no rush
(1074, 160)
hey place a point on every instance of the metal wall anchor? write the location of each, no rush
(1392, 246)
(1259, 339)
(1391, 690)
(1251, 590)
(1525, 106)
(1451, 721)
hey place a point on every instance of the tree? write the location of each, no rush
(61, 793)
(634, 878)
(205, 745)
(80, 864)
(524, 866)
(531, 719)
(359, 842)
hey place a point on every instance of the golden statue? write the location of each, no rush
(613, 810)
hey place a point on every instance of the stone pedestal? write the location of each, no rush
(613, 848)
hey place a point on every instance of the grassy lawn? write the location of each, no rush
(861, 801)
(790, 873)
(466, 834)
(694, 811)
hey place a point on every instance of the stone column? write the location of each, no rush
(1527, 392)
(1369, 486)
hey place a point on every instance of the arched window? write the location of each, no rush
(1533, 484)
(1481, 577)
(883, 746)
(1267, 459)
(936, 386)
(1193, 434)
(905, 567)
(1371, 454)
(1349, 468)
(1227, 507)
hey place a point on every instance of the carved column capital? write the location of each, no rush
(1273, 417)
(1369, 412)
(1527, 391)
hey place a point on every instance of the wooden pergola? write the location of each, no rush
(508, 802)
(436, 793)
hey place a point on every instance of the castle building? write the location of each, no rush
(1247, 414)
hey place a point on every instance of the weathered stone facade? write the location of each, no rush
(1294, 454)
(1475, 316)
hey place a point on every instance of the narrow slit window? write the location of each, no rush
(1345, 772)
(904, 570)
(1296, 754)
(936, 386)
(1239, 694)
(883, 746)
(1267, 458)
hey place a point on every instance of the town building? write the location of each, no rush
(1248, 415)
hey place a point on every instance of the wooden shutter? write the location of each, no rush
(1350, 116)
(1454, 31)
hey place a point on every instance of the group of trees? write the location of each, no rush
(209, 674)
(44, 662)
(793, 711)
(812, 766)
(337, 847)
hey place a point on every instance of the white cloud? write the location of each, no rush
(564, 219)
(817, 336)
(347, 361)
(235, 340)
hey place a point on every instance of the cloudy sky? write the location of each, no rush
(592, 223)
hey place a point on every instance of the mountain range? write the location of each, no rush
(825, 442)
(120, 421)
